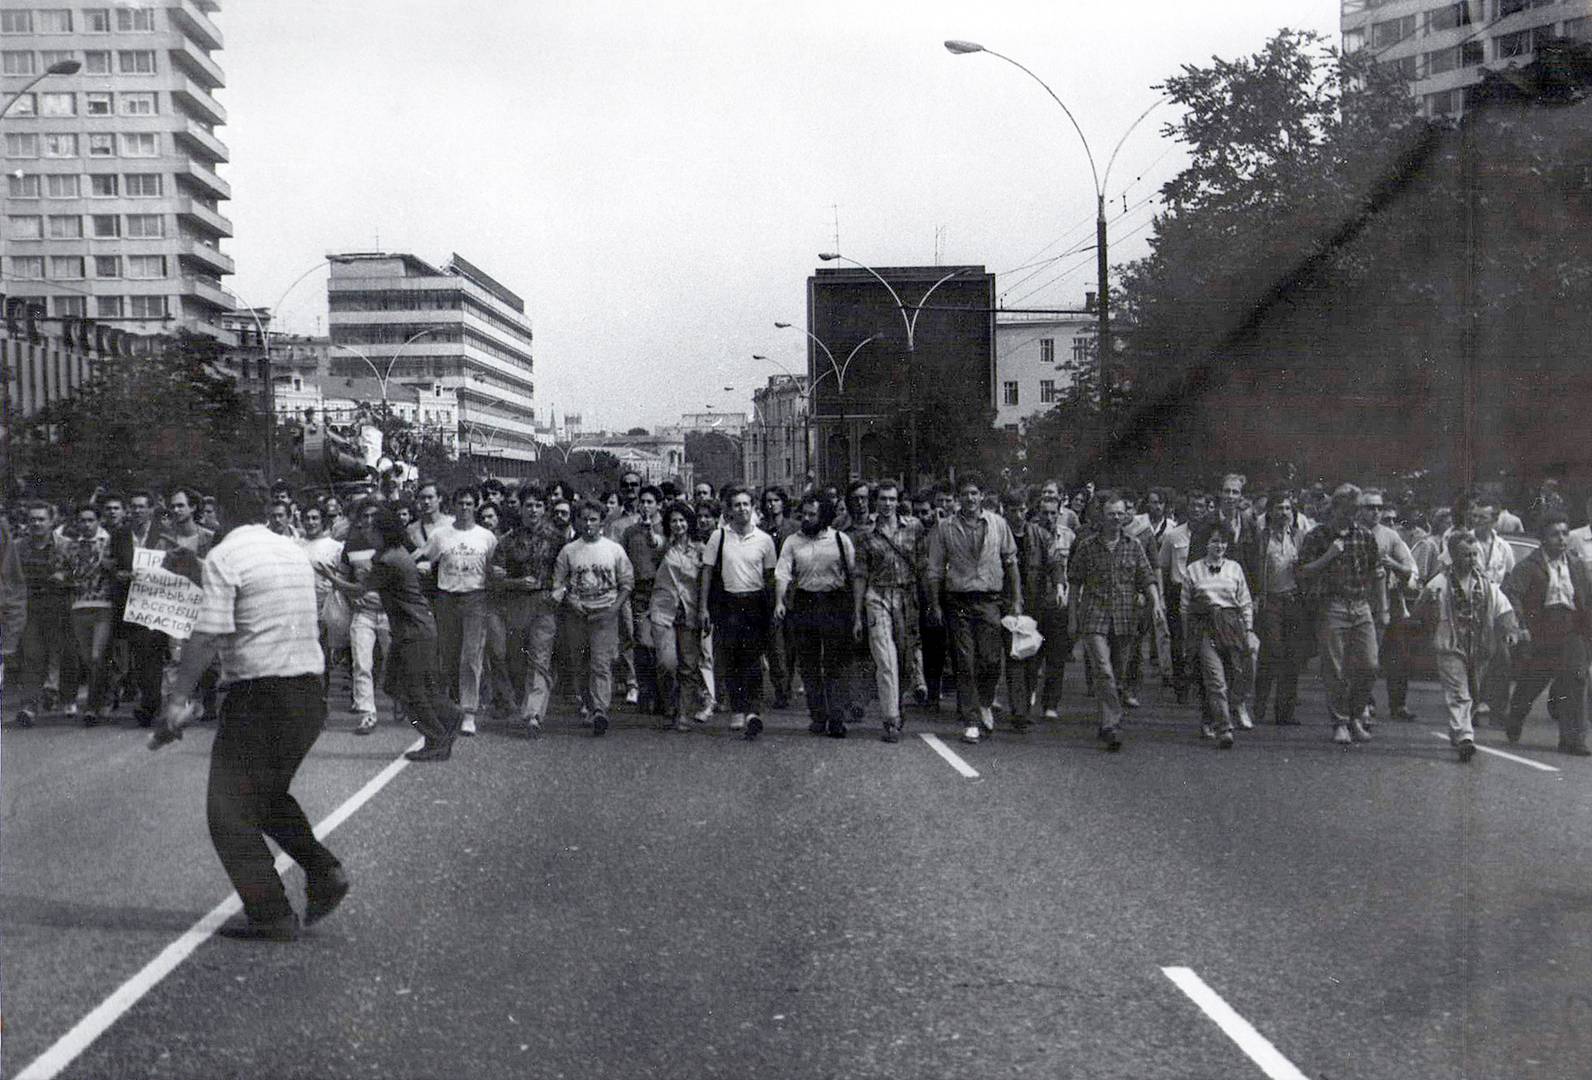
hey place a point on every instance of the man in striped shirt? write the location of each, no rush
(258, 618)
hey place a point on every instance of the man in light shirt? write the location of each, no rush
(459, 556)
(1496, 560)
(593, 579)
(812, 584)
(735, 597)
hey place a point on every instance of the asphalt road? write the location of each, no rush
(692, 905)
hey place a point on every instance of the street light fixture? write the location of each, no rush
(60, 67)
(383, 377)
(1102, 267)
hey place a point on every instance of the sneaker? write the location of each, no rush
(1467, 749)
(599, 723)
(986, 720)
(970, 734)
(25, 717)
(1207, 731)
(1225, 740)
(322, 894)
(1129, 701)
(1482, 710)
(468, 727)
(632, 696)
(1244, 722)
(1052, 714)
(69, 709)
(366, 725)
(754, 726)
(533, 727)
(738, 722)
(1367, 718)
(1357, 730)
(891, 733)
(702, 715)
(1340, 735)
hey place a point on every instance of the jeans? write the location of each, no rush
(91, 629)
(644, 661)
(740, 629)
(368, 636)
(267, 729)
(1107, 654)
(1279, 623)
(973, 623)
(47, 641)
(892, 621)
(530, 633)
(596, 636)
(1229, 677)
(678, 649)
(1555, 659)
(495, 675)
(461, 641)
(1348, 657)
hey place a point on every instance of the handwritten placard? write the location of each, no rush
(160, 599)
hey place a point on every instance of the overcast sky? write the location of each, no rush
(656, 178)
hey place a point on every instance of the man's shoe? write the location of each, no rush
(468, 727)
(738, 722)
(599, 723)
(1052, 714)
(754, 726)
(1340, 735)
(1225, 740)
(817, 727)
(702, 715)
(891, 733)
(1512, 730)
(366, 725)
(25, 718)
(533, 727)
(432, 751)
(1575, 749)
(920, 695)
(1129, 701)
(69, 709)
(1467, 749)
(632, 696)
(1482, 710)
(1112, 738)
(986, 720)
(837, 728)
(1207, 731)
(1244, 722)
(243, 928)
(1358, 732)
(322, 894)
(970, 734)
(90, 719)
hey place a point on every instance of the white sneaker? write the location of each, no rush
(970, 734)
(986, 718)
(738, 722)
(468, 727)
(1244, 721)
(632, 696)
(703, 715)
(1052, 714)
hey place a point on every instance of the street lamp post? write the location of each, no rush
(1102, 263)
(911, 324)
(836, 368)
(384, 376)
(60, 67)
(265, 367)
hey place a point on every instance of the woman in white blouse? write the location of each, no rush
(677, 636)
(1219, 629)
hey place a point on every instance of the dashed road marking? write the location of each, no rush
(1235, 1027)
(949, 755)
(1503, 754)
(83, 1034)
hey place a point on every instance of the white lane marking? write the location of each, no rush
(1504, 755)
(948, 754)
(1235, 1027)
(82, 1035)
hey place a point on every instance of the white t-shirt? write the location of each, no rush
(746, 558)
(460, 557)
(322, 551)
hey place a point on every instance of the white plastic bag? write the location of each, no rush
(1026, 638)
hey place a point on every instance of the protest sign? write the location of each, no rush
(161, 600)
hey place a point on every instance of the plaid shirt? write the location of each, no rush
(1352, 575)
(892, 562)
(1109, 580)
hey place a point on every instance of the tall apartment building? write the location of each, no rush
(112, 207)
(455, 326)
(1441, 48)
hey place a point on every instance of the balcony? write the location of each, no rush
(206, 256)
(209, 329)
(197, 63)
(209, 291)
(198, 213)
(190, 17)
(206, 180)
(197, 140)
(193, 99)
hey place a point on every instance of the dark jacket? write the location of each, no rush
(1527, 589)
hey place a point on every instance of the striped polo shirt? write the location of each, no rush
(259, 596)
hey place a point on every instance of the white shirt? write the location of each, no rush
(1224, 587)
(259, 595)
(460, 557)
(1494, 557)
(322, 551)
(815, 563)
(1561, 593)
(746, 558)
(1174, 552)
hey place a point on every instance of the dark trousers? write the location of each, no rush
(1397, 642)
(934, 643)
(973, 622)
(414, 681)
(740, 629)
(1054, 653)
(1281, 626)
(267, 727)
(825, 650)
(781, 664)
(1174, 625)
(146, 653)
(1554, 660)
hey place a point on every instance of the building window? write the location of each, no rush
(55, 20)
(24, 105)
(135, 61)
(50, 57)
(22, 187)
(25, 228)
(141, 185)
(108, 266)
(27, 267)
(101, 144)
(66, 227)
(145, 226)
(1009, 393)
(147, 307)
(61, 186)
(16, 22)
(96, 104)
(1047, 392)
(1509, 46)
(1472, 53)
(1502, 9)
(97, 62)
(107, 226)
(102, 186)
(66, 267)
(108, 307)
(71, 307)
(135, 20)
(97, 20)
(140, 144)
(60, 146)
(1047, 350)
(16, 63)
(58, 104)
(1080, 350)
(1392, 31)
(138, 103)
(1440, 61)
(1407, 68)
(146, 267)
(1448, 17)
(1444, 102)
(22, 144)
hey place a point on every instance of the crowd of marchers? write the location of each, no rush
(867, 602)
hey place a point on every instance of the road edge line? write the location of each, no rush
(950, 756)
(1503, 754)
(1254, 1045)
